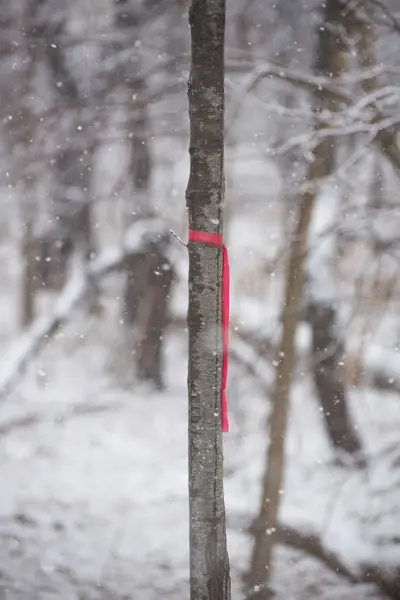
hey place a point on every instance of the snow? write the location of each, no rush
(94, 499)
(95, 469)
(29, 342)
(322, 282)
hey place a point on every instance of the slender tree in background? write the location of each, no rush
(69, 225)
(327, 345)
(25, 132)
(209, 562)
(329, 62)
(149, 272)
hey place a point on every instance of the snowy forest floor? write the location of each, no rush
(94, 478)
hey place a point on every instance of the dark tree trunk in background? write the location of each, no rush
(70, 208)
(53, 249)
(29, 273)
(129, 19)
(149, 274)
(141, 163)
(328, 351)
(19, 127)
(147, 298)
(328, 374)
(209, 562)
(72, 188)
(26, 130)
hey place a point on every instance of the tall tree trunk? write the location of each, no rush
(209, 562)
(147, 291)
(149, 274)
(29, 273)
(328, 375)
(71, 203)
(26, 136)
(327, 347)
(266, 524)
(70, 208)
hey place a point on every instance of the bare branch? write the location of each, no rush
(271, 71)
(384, 135)
(311, 544)
(395, 23)
(178, 238)
(309, 141)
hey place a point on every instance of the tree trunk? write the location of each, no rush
(327, 347)
(70, 208)
(26, 136)
(209, 562)
(141, 162)
(265, 527)
(266, 523)
(71, 205)
(29, 274)
(147, 299)
(328, 374)
(149, 274)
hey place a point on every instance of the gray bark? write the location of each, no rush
(209, 562)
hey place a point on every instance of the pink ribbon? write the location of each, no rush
(214, 239)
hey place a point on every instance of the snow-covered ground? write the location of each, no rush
(93, 467)
(94, 478)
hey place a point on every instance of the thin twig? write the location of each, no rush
(394, 21)
(178, 238)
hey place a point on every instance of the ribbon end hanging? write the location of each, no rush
(224, 414)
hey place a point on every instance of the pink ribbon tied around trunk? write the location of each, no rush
(214, 239)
